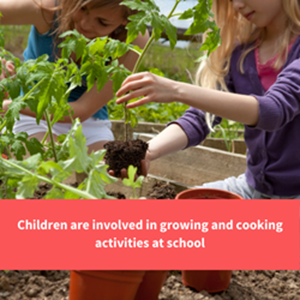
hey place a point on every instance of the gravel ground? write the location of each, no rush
(245, 285)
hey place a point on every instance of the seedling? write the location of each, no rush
(133, 181)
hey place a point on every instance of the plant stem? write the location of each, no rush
(126, 124)
(137, 65)
(173, 9)
(52, 123)
(51, 135)
(80, 193)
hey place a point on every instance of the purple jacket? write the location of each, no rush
(273, 155)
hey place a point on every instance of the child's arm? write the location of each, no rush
(27, 12)
(240, 108)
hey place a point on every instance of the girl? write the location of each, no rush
(252, 78)
(92, 18)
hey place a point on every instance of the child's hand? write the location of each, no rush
(8, 68)
(154, 89)
(6, 104)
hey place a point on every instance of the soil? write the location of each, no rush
(245, 285)
(161, 190)
(122, 154)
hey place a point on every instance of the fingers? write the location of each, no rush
(138, 102)
(134, 94)
(144, 168)
(10, 67)
(135, 82)
(122, 176)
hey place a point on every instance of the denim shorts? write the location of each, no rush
(94, 130)
(239, 186)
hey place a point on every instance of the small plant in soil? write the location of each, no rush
(45, 90)
(118, 153)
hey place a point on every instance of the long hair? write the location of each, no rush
(235, 30)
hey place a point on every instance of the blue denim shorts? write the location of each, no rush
(239, 186)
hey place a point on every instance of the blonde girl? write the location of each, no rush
(92, 18)
(252, 78)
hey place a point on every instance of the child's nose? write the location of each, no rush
(238, 4)
(86, 23)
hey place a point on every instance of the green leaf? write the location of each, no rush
(45, 167)
(158, 25)
(70, 195)
(54, 193)
(78, 150)
(212, 41)
(156, 72)
(146, 5)
(96, 184)
(18, 149)
(27, 186)
(97, 46)
(138, 23)
(13, 112)
(34, 146)
(118, 77)
(115, 49)
(187, 14)
(171, 31)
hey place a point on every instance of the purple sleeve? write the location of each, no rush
(194, 125)
(281, 103)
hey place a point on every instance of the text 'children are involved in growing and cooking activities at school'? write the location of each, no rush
(253, 78)
(92, 19)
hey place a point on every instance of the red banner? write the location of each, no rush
(150, 234)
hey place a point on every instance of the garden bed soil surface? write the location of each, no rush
(245, 285)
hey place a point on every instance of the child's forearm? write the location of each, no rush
(240, 108)
(170, 140)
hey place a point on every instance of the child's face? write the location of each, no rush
(98, 22)
(262, 13)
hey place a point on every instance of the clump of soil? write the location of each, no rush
(122, 154)
(162, 190)
(43, 189)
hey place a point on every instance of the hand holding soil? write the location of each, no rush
(123, 173)
(121, 154)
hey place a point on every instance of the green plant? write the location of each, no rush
(132, 181)
(149, 13)
(45, 89)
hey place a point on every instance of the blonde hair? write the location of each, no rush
(236, 30)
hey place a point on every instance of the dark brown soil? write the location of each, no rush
(162, 190)
(122, 154)
(117, 195)
(245, 285)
